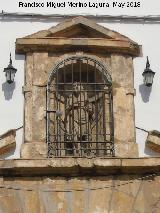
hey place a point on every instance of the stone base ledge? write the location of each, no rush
(34, 150)
(79, 166)
(126, 150)
(38, 150)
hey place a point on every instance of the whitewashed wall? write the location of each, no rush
(147, 101)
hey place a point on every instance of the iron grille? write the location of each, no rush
(79, 109)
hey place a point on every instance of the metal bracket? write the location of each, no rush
(58, 112)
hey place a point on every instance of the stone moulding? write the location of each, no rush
(24, 45)
(79, 166)
(153, 141)
(7, 141)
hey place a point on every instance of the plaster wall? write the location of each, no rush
(147, 100)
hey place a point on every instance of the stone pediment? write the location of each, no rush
(79, 27)
(78, 33)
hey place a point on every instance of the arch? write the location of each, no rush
(96, 60)
(79, 109)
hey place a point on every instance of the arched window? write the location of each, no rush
(79, 109)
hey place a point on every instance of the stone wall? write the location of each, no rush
(49, 194)
(80, 185)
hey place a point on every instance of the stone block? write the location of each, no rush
(121, 96)
(96, 194)
(34, 150)
(124, 129)
(41, 62)
(153, 141)
(38, 114)
(7, 141)
(124, 123)
(126, 150)
(122, 70)
(28, 117)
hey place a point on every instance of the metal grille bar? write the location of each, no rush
(79, 110)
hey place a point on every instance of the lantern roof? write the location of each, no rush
(148, 69)
(10, 66)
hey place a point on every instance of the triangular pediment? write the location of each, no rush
(78, 34)
(78, 31)
(79, 27)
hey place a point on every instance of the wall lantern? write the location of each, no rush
(10, 72)
(148, 75)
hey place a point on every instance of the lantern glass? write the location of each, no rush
(148, 78)
(10, 74)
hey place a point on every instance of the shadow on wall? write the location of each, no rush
(145, 92)
(19, 57)
(8, 90)
(8, 154)
(150, 152)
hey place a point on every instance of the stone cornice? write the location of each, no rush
(79, 166)
(101, 45)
